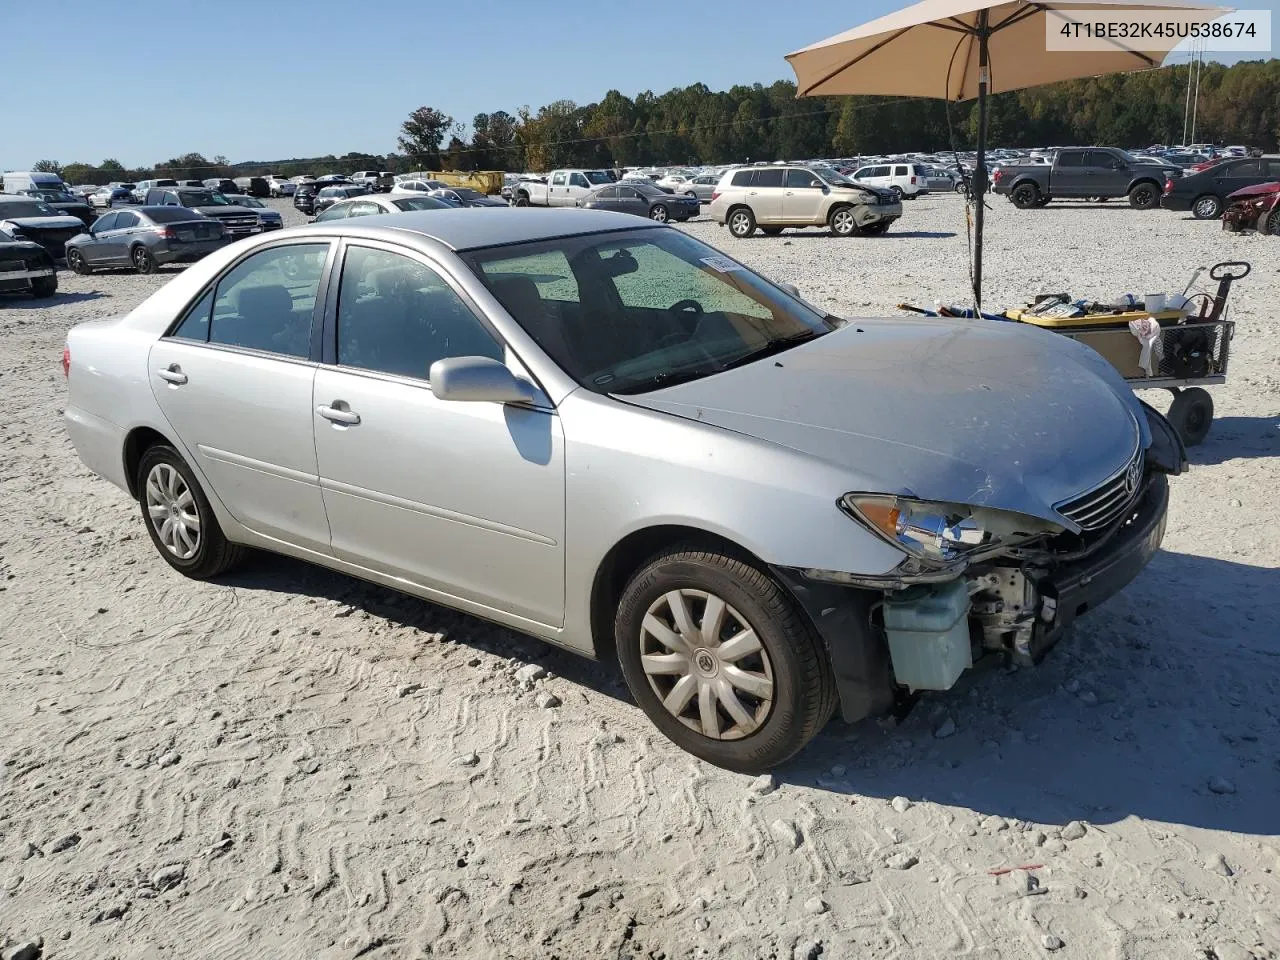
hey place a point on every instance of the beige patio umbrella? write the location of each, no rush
(961, 49)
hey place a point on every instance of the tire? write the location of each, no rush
(876, 229)
(1144, 196)
(961, 188)
(771, 231)
(897, 191)
(658, 213)
(1191, 415)
(521, 201)
(1272, 226)
(142, 260)
(690, 193)
(1025, 196)
(842, 222)
(1207, 207)
(213, 553)
(742, 222)
(782, 688)
(77, 263)
(44, 287)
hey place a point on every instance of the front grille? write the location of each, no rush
(239, 224)
(1104, 504)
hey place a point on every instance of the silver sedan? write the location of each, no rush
(602, 432)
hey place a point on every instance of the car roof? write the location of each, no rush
(476, 227)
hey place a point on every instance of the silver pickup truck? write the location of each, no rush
(564, 188)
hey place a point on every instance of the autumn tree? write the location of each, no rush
(421, 136)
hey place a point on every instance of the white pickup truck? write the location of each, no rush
(564, 188)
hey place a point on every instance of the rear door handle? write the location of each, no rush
(172, 374)
(336, 415)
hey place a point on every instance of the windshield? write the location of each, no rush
(420, 203)
(202, 198)
(598, 177)
(26, 208)
(57, 196)
(639, 310)
(173, 215)
(834, 178)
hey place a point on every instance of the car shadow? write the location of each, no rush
(59, 299)
(1238, 438)
(1140, 707)
(890, 234)
(279, 574)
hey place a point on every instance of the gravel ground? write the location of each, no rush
(292, 763)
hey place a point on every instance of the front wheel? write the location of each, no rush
(742, 223)
(843, 222)
(1272, 226)
(722, 661)
(78, 264)
(179, 519)
(44, 287)
(1144, 196)
(522, 201)
(658, 213)
(143, 261)
(1207, 208)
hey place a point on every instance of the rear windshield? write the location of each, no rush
(172, 214)
(165, 183)
(598, 177)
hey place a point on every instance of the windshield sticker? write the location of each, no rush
(721, 264)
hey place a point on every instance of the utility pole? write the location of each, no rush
(1186, 110)
(1195, 109)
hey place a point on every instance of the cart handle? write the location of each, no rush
(1221, 271)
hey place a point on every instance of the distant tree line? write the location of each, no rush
(687, 125)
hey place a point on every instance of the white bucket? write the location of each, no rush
(1155, 303)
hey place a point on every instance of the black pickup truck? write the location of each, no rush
(1084, 172)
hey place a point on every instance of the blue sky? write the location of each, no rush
(273, 79)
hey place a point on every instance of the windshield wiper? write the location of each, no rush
(774, 346)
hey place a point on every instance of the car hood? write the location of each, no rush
(44, 223)
(973, 411)
(1257, 190)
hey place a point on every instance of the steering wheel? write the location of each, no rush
(686, 306)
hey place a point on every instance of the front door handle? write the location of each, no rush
(337, 415)
(172, 374)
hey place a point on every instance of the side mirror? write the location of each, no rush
(790, 288)
(477, 379)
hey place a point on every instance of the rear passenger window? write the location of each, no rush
(744, 178)
(267, 301)
(769, 178)
(396, 315)
(195, 325)
(1075, 159)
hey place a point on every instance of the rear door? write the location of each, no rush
(1070, 175)
(234, 380)
(767, 195)
(1238, 174)
(462, 498)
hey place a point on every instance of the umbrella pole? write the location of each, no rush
(980, 166)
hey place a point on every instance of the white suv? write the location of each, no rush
(779, 196)
(907, 180)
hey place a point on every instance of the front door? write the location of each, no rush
(803, 196)
(631, 200)
(234, 380)
(1110, 177)
(558, 190)
(466, 499)
(101, 249)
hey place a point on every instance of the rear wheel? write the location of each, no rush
(1191, 415)
(843, 223)
(43, 287)
(1144, 196)
(142, 260)
(742, 222)
(1272, 226)
(179, 519)
(658, 213)
(1207, 207)
(722, 661)
(1025, 196)
(77, 263)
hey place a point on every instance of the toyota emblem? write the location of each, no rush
(1131, 476)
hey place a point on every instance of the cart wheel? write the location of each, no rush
(1191, 414)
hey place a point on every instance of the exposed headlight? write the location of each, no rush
(941, 533)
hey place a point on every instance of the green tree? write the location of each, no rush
(47, 166)
(421, 136)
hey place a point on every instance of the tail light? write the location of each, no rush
(715, 195)
(1168, 185)
(913, 181)
(997, 176)
(66, 361)
(167, 232)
